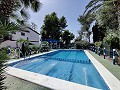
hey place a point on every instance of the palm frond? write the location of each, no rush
(17, 5)
(94, 9)
(21, 22)
(24, 13)
(14, 16)
(91, 4)
(26, 3)
(35, 5)
(3, 59)
(6, 27)
(95, 3)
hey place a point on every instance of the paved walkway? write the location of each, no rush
(114, 69)
(14, 83)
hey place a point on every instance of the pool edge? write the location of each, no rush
(46, 81)
(112, 82)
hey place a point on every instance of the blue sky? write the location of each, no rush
(71, 9)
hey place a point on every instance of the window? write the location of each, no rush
(22, 34)
(27, 31)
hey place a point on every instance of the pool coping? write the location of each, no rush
(43, 80)
(46, 81)
(112, 82)
(59, 84)
(15, 60)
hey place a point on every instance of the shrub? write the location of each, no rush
(3, 58)
(81, 44)
(44, 46)
(112, 40)
(98, 44)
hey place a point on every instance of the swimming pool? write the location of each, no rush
(70, 65)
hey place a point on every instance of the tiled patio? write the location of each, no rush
(13, 83)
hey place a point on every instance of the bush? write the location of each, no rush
(112, 40)
(81, 44)
(44, 46)
(98, 44)
(3, 58)
(35, 49)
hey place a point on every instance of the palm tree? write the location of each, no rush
(94, 5)
(3, 58)
(10, 7)
(6, 28)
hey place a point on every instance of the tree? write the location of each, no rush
(81, 44)
(7, 10)
(51, 29)
(10, 7)
(3, 58)
(63, 23)
(25, 46)
(112, 40)
(66, 37)
(6, 28)
(95, 5)
(79, 38)
(98, 33)
(85, 21)
(107, 17)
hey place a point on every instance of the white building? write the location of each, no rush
(26, 34)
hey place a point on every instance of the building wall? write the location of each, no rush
(9, 43)
(18, 35)
(33, 37)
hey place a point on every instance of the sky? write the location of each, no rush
(71, 9)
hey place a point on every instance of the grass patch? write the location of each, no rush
(114, 69)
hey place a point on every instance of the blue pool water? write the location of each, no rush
(70, 65)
